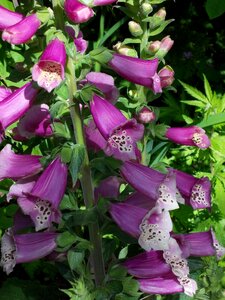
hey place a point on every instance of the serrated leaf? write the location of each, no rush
(194, 92)
(77, 158)
(194, 103)
(212, 120)
(208, 90)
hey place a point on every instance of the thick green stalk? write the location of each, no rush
(58, 11)
(86, 180)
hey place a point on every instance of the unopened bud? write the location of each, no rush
(135, 29)
(166, 45)
(146, 9)
(166, 75)
(125, 50)
(161, 13)
(153, 47)
(146, 115)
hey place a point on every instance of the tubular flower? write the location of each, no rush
(136, 70)
(94, 138)
(36, 122)
(189, 136)
(80, 43)
(8, 18)
(152, 183)
(105, 83)
(22, 31)
(121, 134)
(16, 166)
(166, 75)
(195, 191)
(49, 71)
(42, 202)
(199, 244)
(15, 105)
(108, 188)
(78, 12)
(4, 92)
(21, 248)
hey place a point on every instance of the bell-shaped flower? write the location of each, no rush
(121, 134)
(189, 136)
(15, 105)
(195, 191)
(36, 122)
(108, 188)
(153, 184)
(22, 31)
(146, 115)
(42, 202)
(166, 75)
(103, 2)
(199, 244)
(136, 70)
(49, 71)
(77, 12)
(94, 139)
(105, 83)
(17, 166)
(8, 17)
(4, 92)
(21, 248)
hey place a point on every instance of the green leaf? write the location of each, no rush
(75, 259)
(130, 286)
(194, 103)
(194, 92)
(208, 90)
(123, 253)
(131, 41)
(215, 8)
(81, 217)
(77, 158)
(101, 55)
(65, 239)
(160, 28)
(7, 4)
(212, 120)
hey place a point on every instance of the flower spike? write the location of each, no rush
(49, 71)
(23, 31)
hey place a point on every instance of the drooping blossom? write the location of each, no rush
(94, 139)
(42, 202)
(166, 75)
(22, 31)
(80, 43)
(36, 122)
(105, 83)
(136, 70)
(195, 191)
(189, 136)
(161, 48)
(121, 134)
(49, 71)
(77, 12)
(21, 248)
(146, 115)
(14, 106)
(8, 18)
(17, 166)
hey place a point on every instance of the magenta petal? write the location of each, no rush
(106, 116)
(49, 71)
(8, 17)
(103, 2)
(128, 217)
(104, 83)
(108, 188)
(21, 222)
(161, 285)
(220, 250)
(136, 70)
(81, 44)
(4, 92)
(147, 265)
(94, 138)
(15, 166)
(23, 31)
(196, 191)
(78, 12)
(36, 122)
(190, 136)
(140, 200)
(16, 104)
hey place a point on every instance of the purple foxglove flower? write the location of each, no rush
(21, 222)
(199, 244)
(152, 183)
(140, 200)
(80, 43)
(42, 203)
(121, 134)
(137, 70)
(23, 31)
(189, 136)
(8, 18)
(166, 75)
(146, 115)
(22, 187)
(16, 166)
(15, 105)
(78, 12)
(4, 92)
(36, 122)
(94, 138)
(103, 2)
(196, 191)
(49, 71)
(108, 188)
(21, 248)
(105, 83)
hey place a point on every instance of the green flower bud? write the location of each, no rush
(146, 9)
(135, 29)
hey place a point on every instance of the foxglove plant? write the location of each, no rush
(49, 71)
(121, 134)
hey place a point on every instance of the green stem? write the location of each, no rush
(86, 180)
(101, 34)
(144, 39)
(58, 11)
